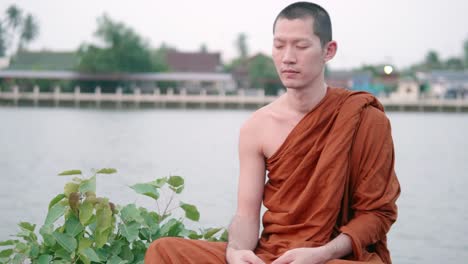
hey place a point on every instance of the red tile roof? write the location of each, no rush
(194, 61)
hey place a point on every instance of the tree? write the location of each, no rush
(123, 50)
(454, 64)
(159, 58)
(241, 44)
(263, 75)
(17, 29)
(29, 31)
(432, 61)
(465, 53)
(203, 48)
(3, 44)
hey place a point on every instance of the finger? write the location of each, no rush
(284, 259)
(253, 259)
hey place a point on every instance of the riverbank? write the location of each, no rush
(182, 100)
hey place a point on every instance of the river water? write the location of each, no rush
(201, 145)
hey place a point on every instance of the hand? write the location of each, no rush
(241, 256)
(318, 255)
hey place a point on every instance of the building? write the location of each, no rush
(408, 89)
(43, 61)
(445, 84)
(191, 72)
(354, 80)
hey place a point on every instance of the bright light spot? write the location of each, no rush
(388, 69)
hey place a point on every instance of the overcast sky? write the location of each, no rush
(368, 31)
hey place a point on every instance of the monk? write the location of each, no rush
(331, 187)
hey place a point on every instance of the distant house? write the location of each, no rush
(341, 79)
(189, 71)
(205, 62)
(445, 84)
(407, 90)
(197, 63)
(354, 80)
(43, 61)
(4, 62)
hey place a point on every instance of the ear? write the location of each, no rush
(330, 50)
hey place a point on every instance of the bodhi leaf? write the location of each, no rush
(106, 171)
(6, 253)
(116, 260)
(127, 254)
(210, 232)
(176, 181)
(103, 222)
(88, 185)
(130, 230)
(34, 252)
(44, 259)
(191, 211)
(72, 226)
(224, 236)
(46, 233)
(54, 213)
(27, 226)
(86, 212)
(171, 228)
(56, 199)
(8, 242)
(66, 241)
(74, 201)
(84, 243)
(101, 237)
(194, 235)
(70, 172)
(146, 189)
(64, 255)
(89, 254)
(159, 182)
(70, 187)
(130, 213)
(18, 259)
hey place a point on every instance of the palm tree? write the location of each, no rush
(16, 28)
(241, 44)
(3, 45)
(14, 16)
(29, 31)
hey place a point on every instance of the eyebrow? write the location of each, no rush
(293, 40)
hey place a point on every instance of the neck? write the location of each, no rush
(302, 101)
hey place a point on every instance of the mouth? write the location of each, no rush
(289, 71)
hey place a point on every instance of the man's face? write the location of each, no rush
(297, 52)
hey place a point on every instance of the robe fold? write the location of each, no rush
(333, 174)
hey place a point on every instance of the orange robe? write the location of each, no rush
(333, 174)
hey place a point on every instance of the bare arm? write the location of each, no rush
(244, 228)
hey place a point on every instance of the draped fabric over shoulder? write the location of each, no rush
(333, 174)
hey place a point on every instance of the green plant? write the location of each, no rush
(83, 228)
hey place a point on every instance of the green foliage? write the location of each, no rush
(123, 50)
(83, 228)
(16, 28)
(262, 74)
(159, 58)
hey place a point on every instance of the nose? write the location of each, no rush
(289, 56)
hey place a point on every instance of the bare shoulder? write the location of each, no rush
(256, 128)
(259, 119)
